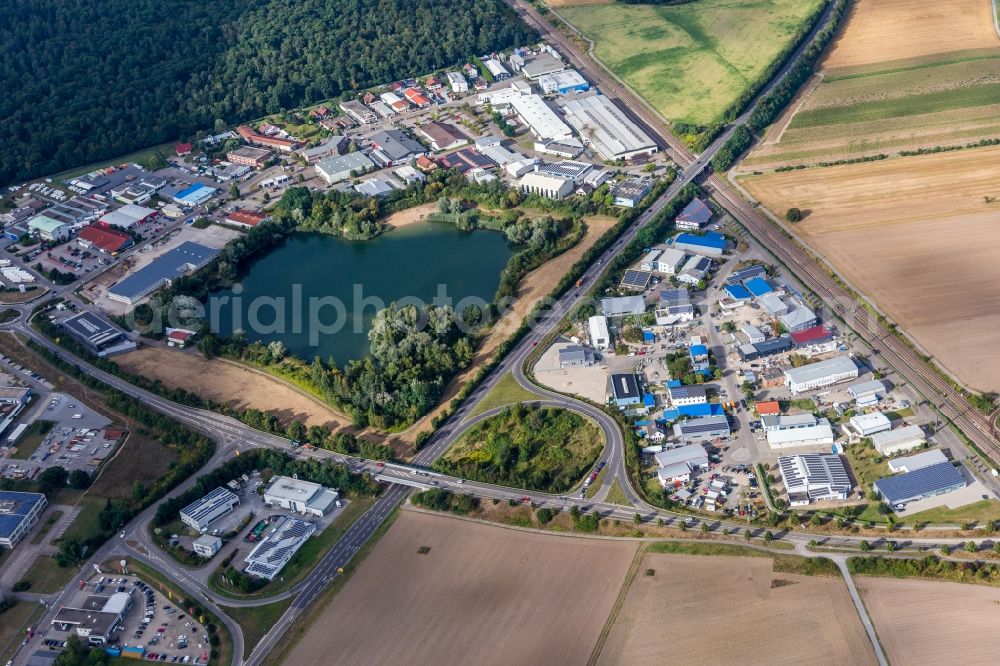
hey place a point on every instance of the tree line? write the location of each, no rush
(87, 81)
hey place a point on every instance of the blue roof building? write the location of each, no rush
(647, 336)
(738, 292)
(920, 483)
(649, 400)
(18, 512)
(672, 383)
(759, 287)
(625, 389)
(195, 194)
(702, 409)
(699, 357)
(711, 243)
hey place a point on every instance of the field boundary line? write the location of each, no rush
(996, 18)
(633, 571)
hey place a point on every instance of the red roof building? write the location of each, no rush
(183, 149)
(768, 408)
(104, 238)
(246, 218)
(425, 163)
(416, 98)
(178, 337)
(253, 138)
(812, 336)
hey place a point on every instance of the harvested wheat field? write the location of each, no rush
(229, 383)
(882, 30)
(481, 595)
(919, 236)
(766, 617)
(931, 622)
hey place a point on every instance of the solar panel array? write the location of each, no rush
(923, 482)
(272, 554)
(636, 279)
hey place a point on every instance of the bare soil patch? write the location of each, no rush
(916, 235)
(767, 617)
(229, 383)
(480, 595)
(884, 30)
(931, 622)
(405, 218)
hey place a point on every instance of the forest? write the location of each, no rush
(87, 81)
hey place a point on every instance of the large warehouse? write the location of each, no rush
(276, 549)
(203, 512)
(702, 429)
(819, 375)
(160, 272)
(301, 496)
(921, 483)
(797, 430)
(812, 477)
(18, 512)
(607, 129)
(335, 169)
(902, 439)
(543, 121)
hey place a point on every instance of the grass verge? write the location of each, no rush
(13, 623)
(46, 526)
(256, 621)
(616, 495)
(47, 577)
(506, 392)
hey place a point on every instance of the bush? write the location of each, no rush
(545, 515)
(793, 215)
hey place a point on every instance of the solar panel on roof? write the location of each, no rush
(634, 278)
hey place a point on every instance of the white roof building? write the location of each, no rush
(607, 129)
(915, 462)
(600, 338)
(670, 261)
(677, 464)
(491, 147)
(813, 477)
(804, 430)
(494, 67)
(458, 83)
(819, 375)
(902, 439)
(297, 495)
(546, 185)
(539, 116)
(866, 425)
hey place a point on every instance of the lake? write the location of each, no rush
(318, 294)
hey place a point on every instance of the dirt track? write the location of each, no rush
(481, 595)
(918, 236)
(883, 30)
(930, 622)
(726, 610)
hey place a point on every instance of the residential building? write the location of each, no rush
(605, 128)
(18, 513)
(866, 425)
(797, 430)
(905, 438)
(768, 408)
(625, 390)
(275, 550)
(249, 156)
(563, 83)
(694, 216)
(687, 395)
(620, 306)
(47, 228)
(336, 169)
(459, 85)
(416, 98)
(201, 513)
(540, 118)
(183, 259)
(575, 356)
(442, 136)
(649, 261)
(206, 545)
(104, 238)
(300, 496)
(597, 326)
(917, 461)
(921, 483)
(814, 477)
(820, 375)
(393, 146)
(394, 102)
(710, 244)
(265, 141)
(551, 187)
(629, 192)
(702, 429)
(676, 465)
(358, 112)
(698, 354)
(670, 261)
(246, 218)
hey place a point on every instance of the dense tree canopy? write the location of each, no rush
(86, 81)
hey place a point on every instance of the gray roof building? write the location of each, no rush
(920, 483)
(394, 146)
(92, 330)
(702, 428)
(336, 169)
(813, 476)
(623, 305)
(183, 259)
(575, 356)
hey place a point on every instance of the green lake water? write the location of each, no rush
(282, 290)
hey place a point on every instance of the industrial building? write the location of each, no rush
(866, 425)
(636, 280)
(249, 156)
(867, 394)
(695, 270)
(18, 513)
(687, 395)
(493, 148)
(937, 479)
(98, 618)
(183, 259)
(597, 326)
(203, 512)
(629, 192)
(303, 497)
(820, 375)
(575, 356)
(47, 228)
(274, 551)
(539, 116)
(330, 147)
(442, 136)
(246, 218)
(92, 330)
(572, 169)
(496, 69)
(195, 195)
(799, 319)
(694, 216)
(702, 429)
(606, 128)
(899, 440)
(670, 261)
(358, 111)
(535, 66)
(797, 430)
(620, 306)
(710, 244)
(207, 545)
(393, 146)
(737, 293)
(625, 390)
(104, 239)
(335, 169)
(772, 305)
(458, 84)
(563, 83)
(374, 187)
(917, 461)
(546, 185)
(758, 350)
(676, 465)
(129, 216)
(814, 477)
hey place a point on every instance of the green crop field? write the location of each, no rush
(691, 61)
